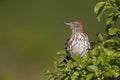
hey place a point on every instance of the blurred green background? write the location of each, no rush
(32, 31)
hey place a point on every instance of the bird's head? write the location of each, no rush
(76, 26)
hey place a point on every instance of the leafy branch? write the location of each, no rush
(112, 16)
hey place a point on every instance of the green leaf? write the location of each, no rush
(62, 52)
(92, 68)
(77, 58)
(100, 37)
(67, 78)
(109, 19)
(112, 31)
(99, 9)
(74, 76)
(109, 72)
(116, 74)
(115, 67)
(90, 76)
(81, 78)
(98, 6)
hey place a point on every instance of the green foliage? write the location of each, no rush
(99, 9)
(101, 63)
(103, 60)
(113, 6)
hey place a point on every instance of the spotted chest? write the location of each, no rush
(77, 44)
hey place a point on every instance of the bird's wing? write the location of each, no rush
(67, 43)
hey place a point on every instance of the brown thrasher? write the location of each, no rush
(78, 42)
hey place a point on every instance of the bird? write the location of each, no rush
(78, 42)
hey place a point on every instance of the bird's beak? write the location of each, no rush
(68, 23)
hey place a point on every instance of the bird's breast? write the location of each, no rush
(78, 44)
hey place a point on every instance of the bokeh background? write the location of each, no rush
(32, 31)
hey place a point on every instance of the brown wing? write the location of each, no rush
(67, 45)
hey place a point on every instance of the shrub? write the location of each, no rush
(103, 60)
